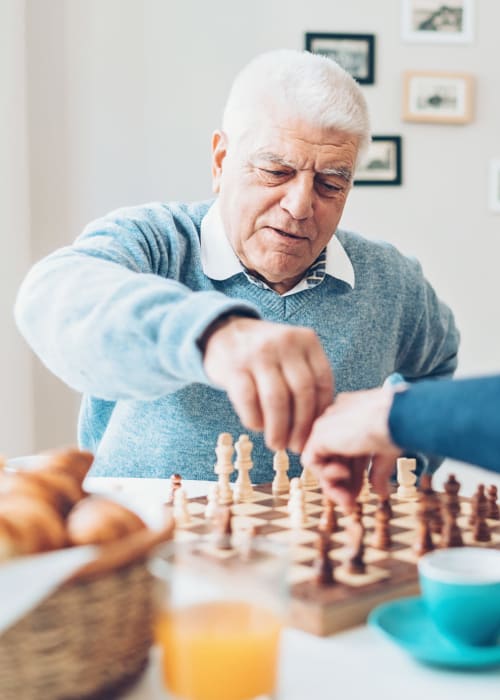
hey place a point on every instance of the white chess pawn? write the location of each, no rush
(224, 467)
(212, 500)
(308, 479)
(297, 504)
(181, 510)
(365, 492)
(243, 490)
(406, 478)
(281, 463)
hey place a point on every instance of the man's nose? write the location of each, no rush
(298, 197)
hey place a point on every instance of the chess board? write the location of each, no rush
(325, 609)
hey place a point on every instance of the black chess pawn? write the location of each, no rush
(451, 535)
(481, 531)
(323, 569)
(493, 512)
(381, 534)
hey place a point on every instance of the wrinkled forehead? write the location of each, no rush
(297, 143)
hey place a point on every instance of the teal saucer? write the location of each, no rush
(407, 622)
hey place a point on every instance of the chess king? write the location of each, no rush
(178, 321)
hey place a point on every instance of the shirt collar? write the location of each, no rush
(219, 261)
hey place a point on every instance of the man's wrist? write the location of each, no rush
(216, 325)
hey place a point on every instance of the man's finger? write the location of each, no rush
(243, 395)
(380, 474)
(276, 406)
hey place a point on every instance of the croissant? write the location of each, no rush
(96, 520)
(29, 525)
(70, 461)
(59, 490)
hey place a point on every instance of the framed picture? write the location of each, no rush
(437, 21)
(495, 185)
(444, 98)
(382, 163)
(354, 52)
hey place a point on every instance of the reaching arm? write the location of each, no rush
(108, 316)
(452, 418)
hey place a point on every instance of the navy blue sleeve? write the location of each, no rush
(450, 418)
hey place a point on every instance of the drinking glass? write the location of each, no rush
(219, 615)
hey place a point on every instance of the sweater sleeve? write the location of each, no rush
(456, 418)
(108, 315)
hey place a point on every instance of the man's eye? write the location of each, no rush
(274, 173)
(328, 187)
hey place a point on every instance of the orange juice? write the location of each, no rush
(219, 651)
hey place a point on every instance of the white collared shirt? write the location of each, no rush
(219, 261)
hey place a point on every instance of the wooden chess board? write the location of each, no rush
(323, 610)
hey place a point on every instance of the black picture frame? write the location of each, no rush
(354, 52)
(381, 166)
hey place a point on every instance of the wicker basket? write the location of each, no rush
(91, 638)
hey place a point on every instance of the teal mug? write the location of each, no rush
(461, 589)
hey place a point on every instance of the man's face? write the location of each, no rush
(282, 189)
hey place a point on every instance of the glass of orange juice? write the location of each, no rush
(219, 618)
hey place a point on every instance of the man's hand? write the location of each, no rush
(352, 431)
(277, 377)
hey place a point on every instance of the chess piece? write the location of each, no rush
(212, 500)
(406, 478)
(481, 532)
(493, 513)
(382, 537)
(328, 521)
(355, 563)
(365, 492)
(223, 527)
(451, 535)
(243, 490)
(323, 564)
(308, 479)
(181, 513)
(175, 483)
(224, 467)
(425, 510)
(281, 463)
(297, 505)
(433, 504)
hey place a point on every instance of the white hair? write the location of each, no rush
(309, 86)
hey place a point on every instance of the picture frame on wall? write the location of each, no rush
(495, 185)
(354, 52)
(436, 21)
(382, 163)
(435, 97)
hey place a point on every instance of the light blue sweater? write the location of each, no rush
(118, 314)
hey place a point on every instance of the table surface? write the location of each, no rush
(353, 665)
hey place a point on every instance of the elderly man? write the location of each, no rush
(181, 321)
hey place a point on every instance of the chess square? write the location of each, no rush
(372, 575)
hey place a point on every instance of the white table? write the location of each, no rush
(355, 665)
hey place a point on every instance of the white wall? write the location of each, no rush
(124, 95)
(16, 412)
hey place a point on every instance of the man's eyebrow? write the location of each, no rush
(344, 173)
(274, 158)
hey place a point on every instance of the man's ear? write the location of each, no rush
(219, 150)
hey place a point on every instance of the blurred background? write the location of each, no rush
(106, 103)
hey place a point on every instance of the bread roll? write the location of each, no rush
(96, 520)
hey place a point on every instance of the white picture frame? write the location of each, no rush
(435, 21)
(494, 185)
(437, 97)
